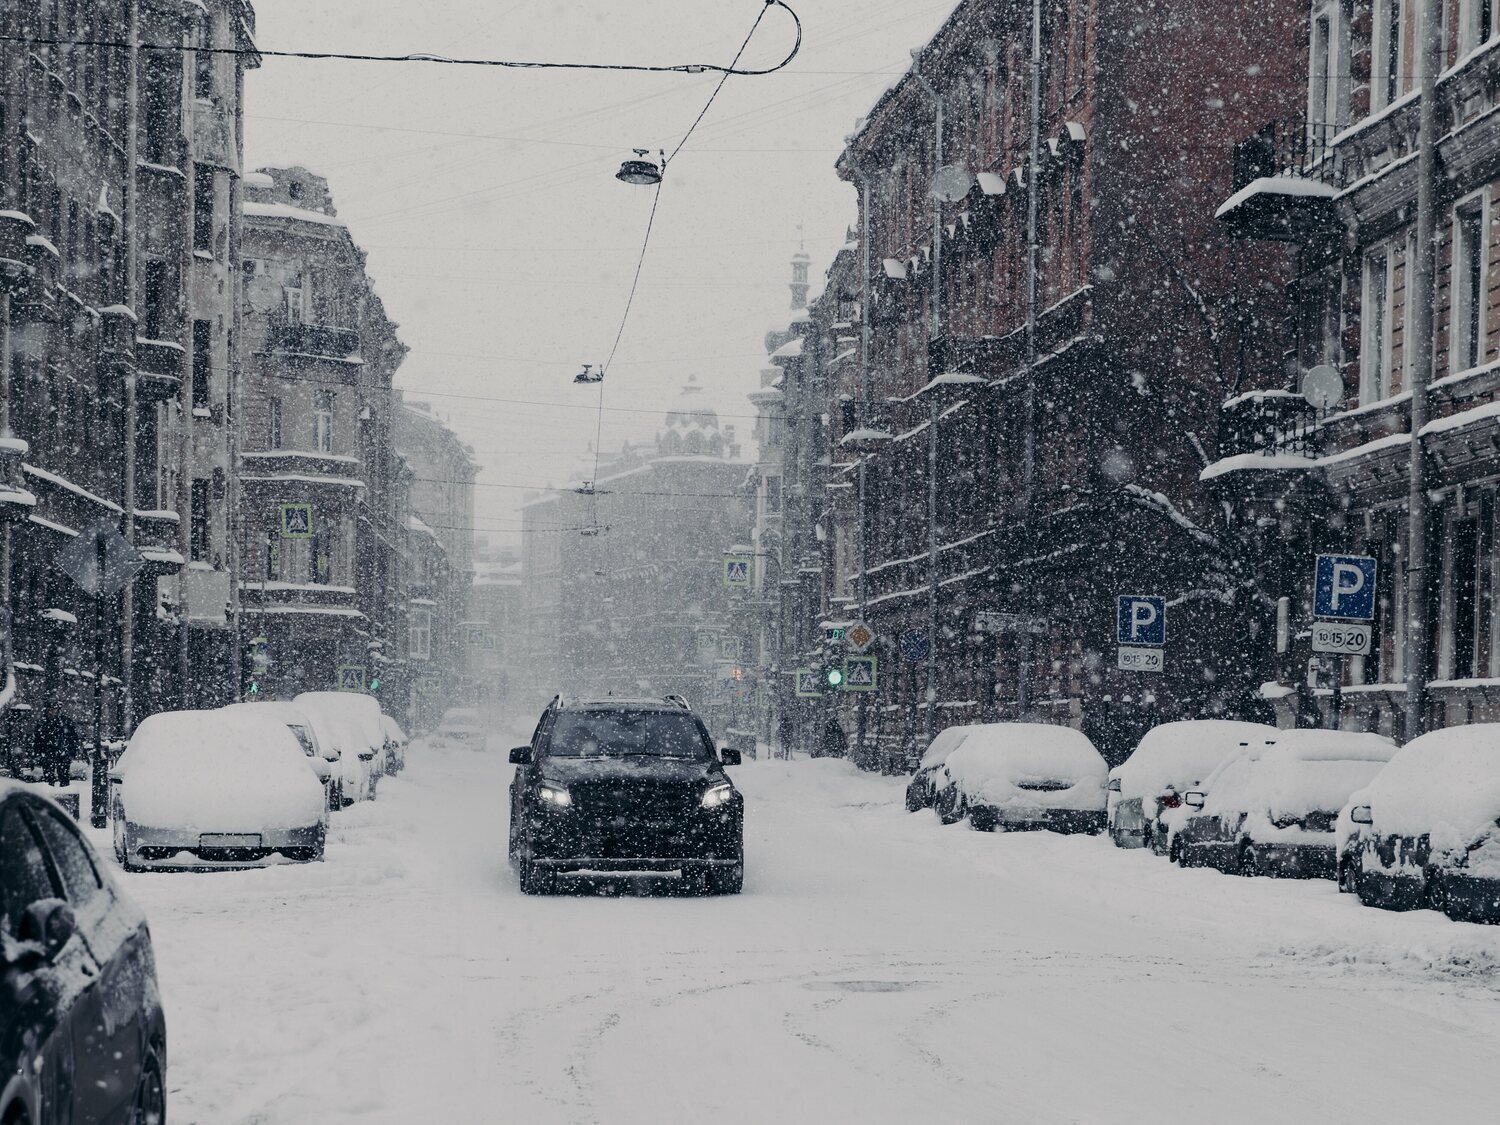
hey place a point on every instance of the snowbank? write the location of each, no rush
(1446, 783)
(1182, 754)
(203, 770)
(1027, 765)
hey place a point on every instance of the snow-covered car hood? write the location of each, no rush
(204, 771)
(1182, 754)
(1029, 765)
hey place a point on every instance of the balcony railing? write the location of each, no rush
(1268, 422)
(1293, 149)
(314, 339)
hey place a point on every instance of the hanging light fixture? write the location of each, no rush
(589, 375)
(641, 171)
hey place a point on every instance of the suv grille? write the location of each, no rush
(635, 800)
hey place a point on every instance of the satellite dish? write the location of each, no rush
(952, 182)
(1322, 386)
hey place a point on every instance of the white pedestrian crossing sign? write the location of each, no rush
(296, 521)
(351, 677)
(737, 572)
(806, 680)
(859, 673)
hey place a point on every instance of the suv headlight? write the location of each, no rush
(717, 795)
(555, 795)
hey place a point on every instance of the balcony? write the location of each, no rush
(1268, 440)
(1283, 187)
(323, 341)
(159, 366)
(156, 538)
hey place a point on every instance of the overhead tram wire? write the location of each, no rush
(651, 222)
(443, 60)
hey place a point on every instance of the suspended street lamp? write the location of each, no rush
(642, 172)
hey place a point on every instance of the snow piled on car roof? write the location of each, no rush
(1183, 753)
(995, 757)
(1446, 783)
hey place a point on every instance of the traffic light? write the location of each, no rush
(375, 684)
(833, 676)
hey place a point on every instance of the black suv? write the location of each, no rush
(625, 785)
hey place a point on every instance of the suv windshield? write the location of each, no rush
(620, 734)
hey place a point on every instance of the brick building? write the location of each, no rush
(1044, 474)
(1336, 184)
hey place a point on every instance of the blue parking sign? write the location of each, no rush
(1344, 586)
(1142, 620)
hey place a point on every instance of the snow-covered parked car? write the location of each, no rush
(1431, 826)
(460, 726)
(921, 791)
(361, 715)
(1024, 775)
(396, 742)
(1274, 812)
(198, 789)
(1171, 759)
(324, 760)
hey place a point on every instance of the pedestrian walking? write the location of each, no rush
(56, 744)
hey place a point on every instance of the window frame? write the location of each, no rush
(1375, 354)
(1468, 291)
(1331, 72)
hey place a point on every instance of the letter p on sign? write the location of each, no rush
(1344, 587)
(1141, 620)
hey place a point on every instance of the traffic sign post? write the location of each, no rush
(805, 683)
(1343, 590)
(860, 673)
(351, 677)
(914, 645)
(859, 636)
(737, 572)
(1141, 632)
(296, 521)
(993, 621)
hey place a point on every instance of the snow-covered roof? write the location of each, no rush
(1291, 186)
(286, 211)
(790, 349)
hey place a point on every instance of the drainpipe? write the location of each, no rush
(935, 335)
(186, 418)
(1418, 594)
(132, 252)
(1028, 402)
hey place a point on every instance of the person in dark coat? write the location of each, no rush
(56, 744)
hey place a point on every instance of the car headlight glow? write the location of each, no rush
(717, 795)
(555, 795)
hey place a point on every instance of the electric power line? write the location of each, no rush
(419, 57)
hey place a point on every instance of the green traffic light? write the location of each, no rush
(374, 685)
(834, 677)
(254, 687)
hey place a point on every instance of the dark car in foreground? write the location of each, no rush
(1272, 809)
(623, 786)
(82, 1039)
(1427, 832)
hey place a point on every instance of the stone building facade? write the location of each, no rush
(118, 327)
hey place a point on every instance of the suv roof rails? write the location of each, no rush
(679, 700)
(557, 701)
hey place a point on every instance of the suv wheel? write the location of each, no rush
(536, 880)
(727, 880)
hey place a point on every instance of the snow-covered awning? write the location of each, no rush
(990, 183)
(895, 268)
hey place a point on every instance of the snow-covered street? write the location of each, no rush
(878, 968)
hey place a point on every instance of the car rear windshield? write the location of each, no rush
(622, 734)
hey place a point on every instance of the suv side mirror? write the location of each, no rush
(1114, 785)
(521, 756)
(1193, 799)
(729, 755)
(48, 923)
(1360, 814)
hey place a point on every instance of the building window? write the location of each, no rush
(1328, 72)
(323, 422)
(198, 541)
(420, 638)
(773, 495)
(292, 296)
(1375, 348)
(203, 62)
(1467, 622)
(1386, 87)
(273, 425)
(1478, 25)
(203, 207)
(202, 365)
(1468, 287)
(153, 298)
(296, 559)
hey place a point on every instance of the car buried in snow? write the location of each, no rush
(82, 1038)
(1273, 810)
(1019, 776)
(1146, 789)
(1428, 826)
(460, 726)
(358, 711)
(324, 760)
(199, 790)
(922, 791)
(618, 785)
(396, 743)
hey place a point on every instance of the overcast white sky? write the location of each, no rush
(500, 240)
